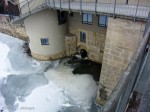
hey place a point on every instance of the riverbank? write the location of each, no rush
(17, 31)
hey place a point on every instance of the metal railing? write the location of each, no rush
(120, 96)
(113, 7)
(28, 7)
(137, 10)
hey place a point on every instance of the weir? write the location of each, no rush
(112, 32)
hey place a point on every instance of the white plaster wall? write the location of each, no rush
(44, 24)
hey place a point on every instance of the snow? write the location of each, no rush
(5, 64)
(38, 86)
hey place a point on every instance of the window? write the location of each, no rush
(44, 41)
(103, 21)
(87, 18)
(83, 37)
(62, 17)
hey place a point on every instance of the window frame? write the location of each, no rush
(44, 39)
(106, 21)
(87, 22)
(82, 39)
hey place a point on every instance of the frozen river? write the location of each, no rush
(28, 85)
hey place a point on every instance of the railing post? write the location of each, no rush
(49, 3)
(80, 6)
(114, 9)
(95, 6)
(127, 1)
(60, 4)
(136, 11)
(69, 6)
(54, 3)
(29, 7)
(19, 10)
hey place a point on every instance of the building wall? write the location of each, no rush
(141, 2)
(95, 36)
(71, 44)
(122, 40)
(44, 24)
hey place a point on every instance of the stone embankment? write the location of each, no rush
(7, 27)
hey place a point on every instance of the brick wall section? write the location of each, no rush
(122, 40)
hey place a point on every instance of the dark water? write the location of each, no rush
(86, 67)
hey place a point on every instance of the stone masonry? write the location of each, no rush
(94, 44)
(71, 44)
(13, 30)
(95, 36)
(122, 40)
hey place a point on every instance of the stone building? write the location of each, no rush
(109, 30)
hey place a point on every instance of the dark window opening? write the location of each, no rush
(127, 1)
(83, 53)
(71, 14)
(83, 37)
(62, 17)
(44, 41)
(87, 18)
(103, 21)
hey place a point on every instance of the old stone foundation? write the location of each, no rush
(50, 57)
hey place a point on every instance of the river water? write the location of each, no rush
(29, 85)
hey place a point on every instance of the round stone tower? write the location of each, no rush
(46, 35)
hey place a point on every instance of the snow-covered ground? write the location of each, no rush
(28, 85)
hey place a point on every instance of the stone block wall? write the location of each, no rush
(122, 40)
(94, 44)
(95, 36)
(71, 44)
